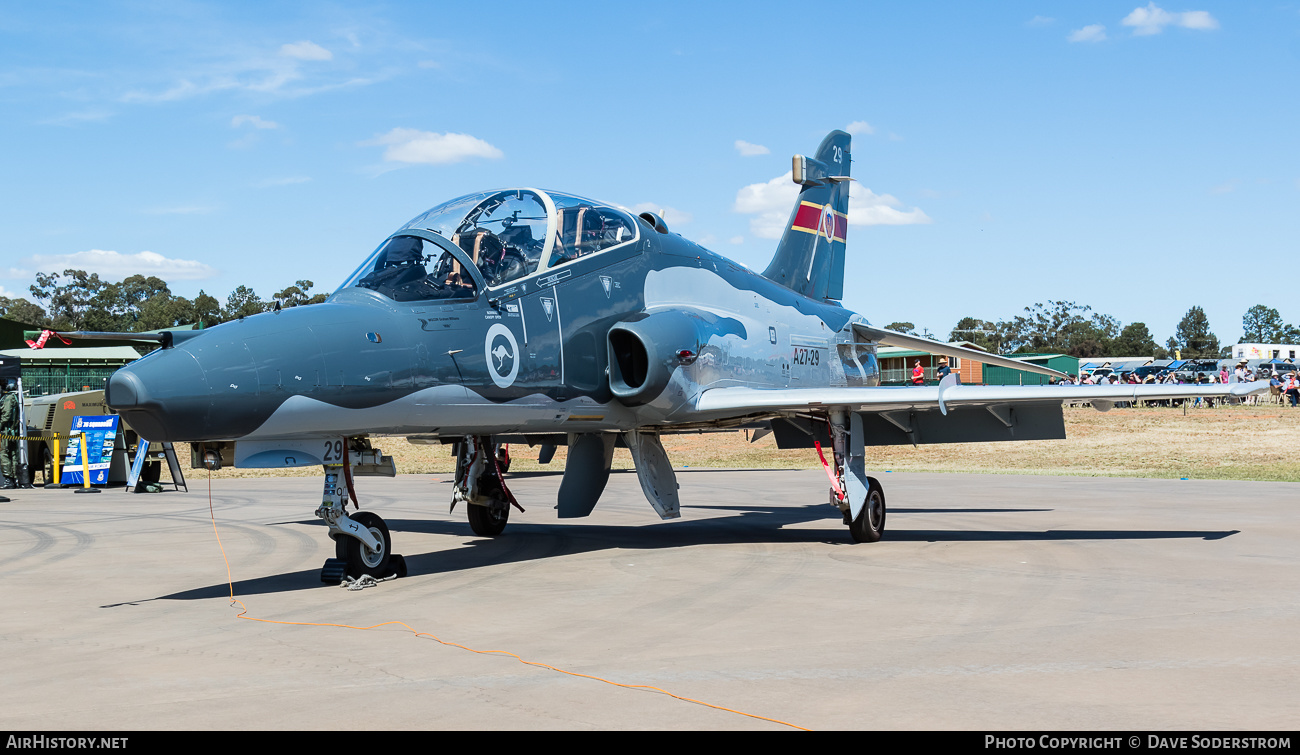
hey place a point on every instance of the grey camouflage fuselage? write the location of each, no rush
(542, 316)
(362, 363)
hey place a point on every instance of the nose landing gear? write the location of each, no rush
(362, 544)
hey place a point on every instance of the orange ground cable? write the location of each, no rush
(243, 614)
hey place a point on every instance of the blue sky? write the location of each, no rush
(1139, 158)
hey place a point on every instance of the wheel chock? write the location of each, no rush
(332, 572)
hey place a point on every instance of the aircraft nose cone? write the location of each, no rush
(124, 391)
(163, 397)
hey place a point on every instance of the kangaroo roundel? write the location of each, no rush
(828, 222)
(502, 352)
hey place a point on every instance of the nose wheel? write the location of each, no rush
(361, 558)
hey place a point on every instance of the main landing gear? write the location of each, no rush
(859, 498)
(362, 544)
(480, 483)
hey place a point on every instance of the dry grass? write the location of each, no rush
(1230, 443)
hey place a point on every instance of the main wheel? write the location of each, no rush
(870, 523)
(488, 521)
(361, 559)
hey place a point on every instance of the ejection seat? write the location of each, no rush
(399, 267)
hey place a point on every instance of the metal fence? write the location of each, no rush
(904, 376)
(42, 380)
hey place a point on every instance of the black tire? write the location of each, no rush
(361, 560)
(488, 521)
(47, 465)
(870, 523)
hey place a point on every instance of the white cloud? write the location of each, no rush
(868, 208)
(1198, 19)
(253, 121)
(262, 71)
(6, 293)
(736, 240)
(408, 145)
(180, 91)
(1041, 21)
(671, 216)
(860, 128)
(750, 150)
(1226, 187)
(81, 116)
(115, 266)
(305, 50)
(771, 203)
(1090, 33)
(1153, 20)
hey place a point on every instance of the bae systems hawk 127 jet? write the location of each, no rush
(534, 316)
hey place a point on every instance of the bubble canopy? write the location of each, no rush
(506, 235)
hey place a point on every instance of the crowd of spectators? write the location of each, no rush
(1284, 387)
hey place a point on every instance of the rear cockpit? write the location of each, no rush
(490, 239)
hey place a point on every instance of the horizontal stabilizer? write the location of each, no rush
(807, 171)
(903, 340)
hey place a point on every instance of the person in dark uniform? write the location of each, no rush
(944, 370)
(9, 426)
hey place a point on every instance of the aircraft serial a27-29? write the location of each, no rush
(525, 315)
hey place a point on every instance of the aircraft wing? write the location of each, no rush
(944, 413)
(883, 399)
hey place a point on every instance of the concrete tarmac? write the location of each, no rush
(994, 602)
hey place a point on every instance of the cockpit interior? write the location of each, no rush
(507, 235)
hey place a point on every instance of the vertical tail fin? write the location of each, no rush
(810, 257)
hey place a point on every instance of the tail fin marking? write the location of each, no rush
(810, 257)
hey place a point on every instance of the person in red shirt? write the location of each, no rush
(918, 374)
